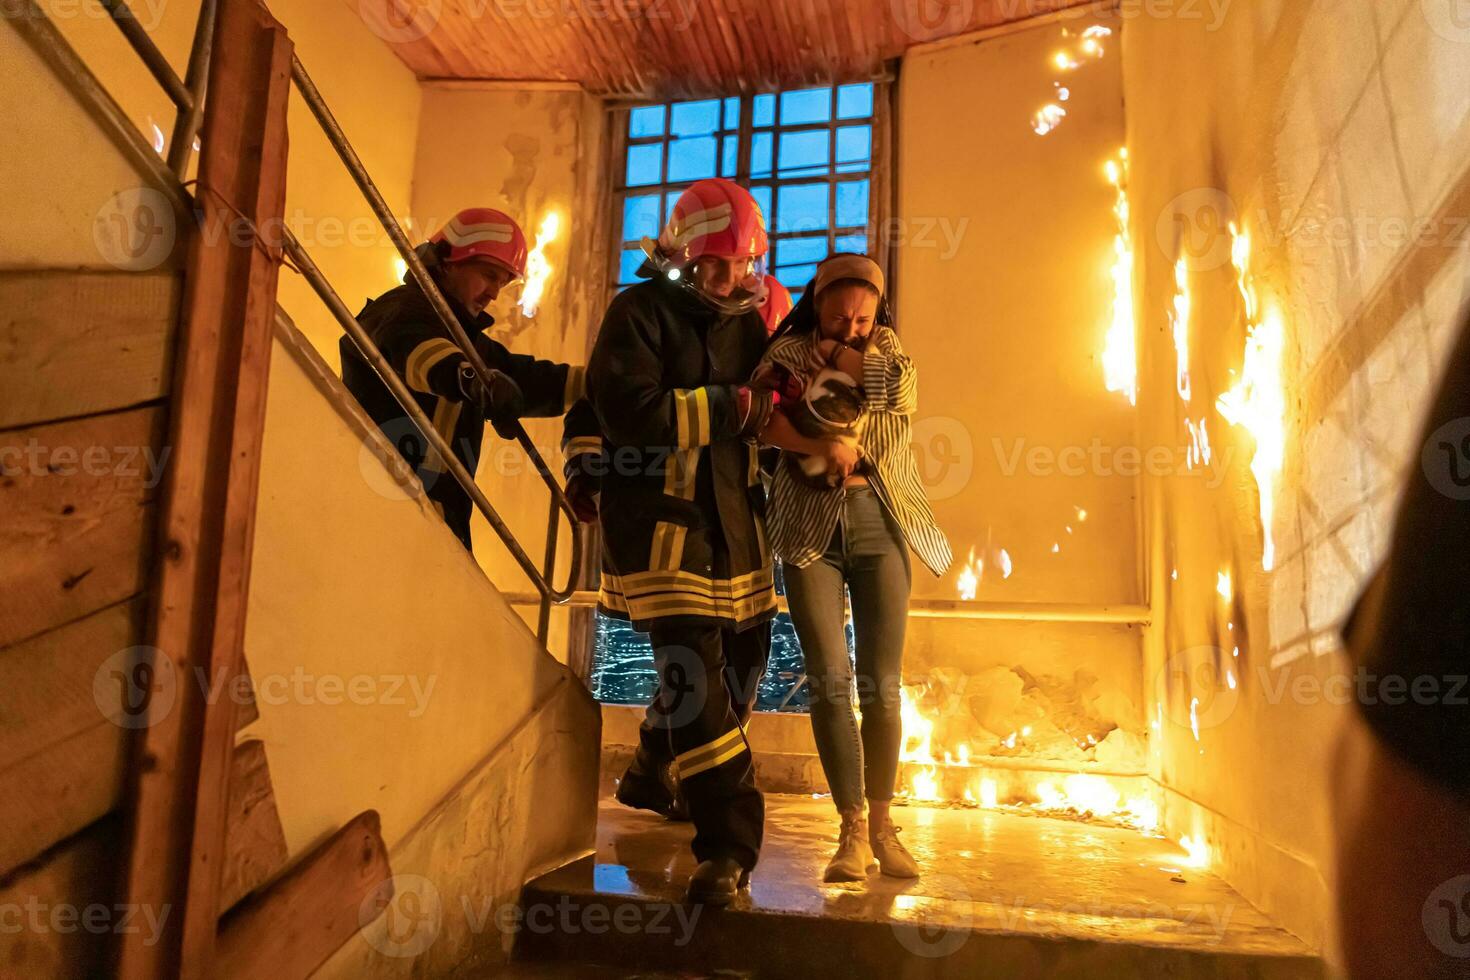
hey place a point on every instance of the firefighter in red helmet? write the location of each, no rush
(472, 259)
(685, 556)
(775, 304)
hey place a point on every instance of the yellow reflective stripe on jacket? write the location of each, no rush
(680, 470)
(691, 406)
(446, 419)
(424, 358)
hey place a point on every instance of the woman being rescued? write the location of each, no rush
(847, 507)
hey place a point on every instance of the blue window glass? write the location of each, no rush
(762, 197)
(851, 243)
(854, 148)
(669, 199)
(855, 101)
(640, 217)
(646, 121)
(801, 207)
(645, 164)
(729, 156)
(852, 203)
(695, 118)
(811, 105)
(760, 154)
(796, 276)
(692, 159)
(806, 153)
(799, 251)
(763, 110)
(732, 113)
(628, 267)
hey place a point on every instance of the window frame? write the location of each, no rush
(878, 173)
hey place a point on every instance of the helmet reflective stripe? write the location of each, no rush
(464, 235)
(680, 233)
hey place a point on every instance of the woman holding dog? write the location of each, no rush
(847, 507)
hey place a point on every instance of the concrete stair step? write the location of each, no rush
(1004, 895)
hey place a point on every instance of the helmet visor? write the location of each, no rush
(734, 287)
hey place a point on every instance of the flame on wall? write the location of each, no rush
(1120, 353)
(1257, 403)
(538, 269)
(1088, 47)
(1179, 320)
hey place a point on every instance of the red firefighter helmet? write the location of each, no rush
(485, 233)
(714, 217)
(776, 305)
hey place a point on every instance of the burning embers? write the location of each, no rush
(991, 748)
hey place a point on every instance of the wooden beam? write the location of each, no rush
(77, 343)
(62, 748)
(80, 517)
(182, 766)
(69, 879)
(294, 925)
(255, 847)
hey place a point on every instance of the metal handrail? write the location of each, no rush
(370, 352)
(335, 135)
(188, 97)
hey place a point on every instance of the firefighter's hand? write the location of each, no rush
(582, 493)
(777, 379)
(497, 397)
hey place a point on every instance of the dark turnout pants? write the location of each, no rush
(708, 679)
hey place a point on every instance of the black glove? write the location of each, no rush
(498, 398)
(582, 493)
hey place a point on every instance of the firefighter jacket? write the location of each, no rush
(683, 506)
(404, 326)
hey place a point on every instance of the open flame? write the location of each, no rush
(970, 578)
(1179, 320)
(538, 269)
(1257, 403)
(1088, 47)
(1120, 355)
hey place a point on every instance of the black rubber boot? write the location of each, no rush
(647, 785)
(717, 882)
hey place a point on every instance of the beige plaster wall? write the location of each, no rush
(386, 666)
(1003, 299)
(1003, 296)
(528, 152)
(375, 98)
(1326, 130)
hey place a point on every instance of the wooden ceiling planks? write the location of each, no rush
(676, 48)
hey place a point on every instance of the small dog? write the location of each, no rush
(831, 407)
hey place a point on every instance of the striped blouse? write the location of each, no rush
(803, 518)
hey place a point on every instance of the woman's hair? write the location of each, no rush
(803, 317)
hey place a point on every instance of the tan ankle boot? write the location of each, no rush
(854, 858)
(893, 857)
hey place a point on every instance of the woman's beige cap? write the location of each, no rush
(849, 267)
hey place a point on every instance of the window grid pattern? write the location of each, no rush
(805, 154)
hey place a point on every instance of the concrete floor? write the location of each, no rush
(1024, 895)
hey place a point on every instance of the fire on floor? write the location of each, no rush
(1004, 893)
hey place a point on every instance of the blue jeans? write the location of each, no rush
(869, 559)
